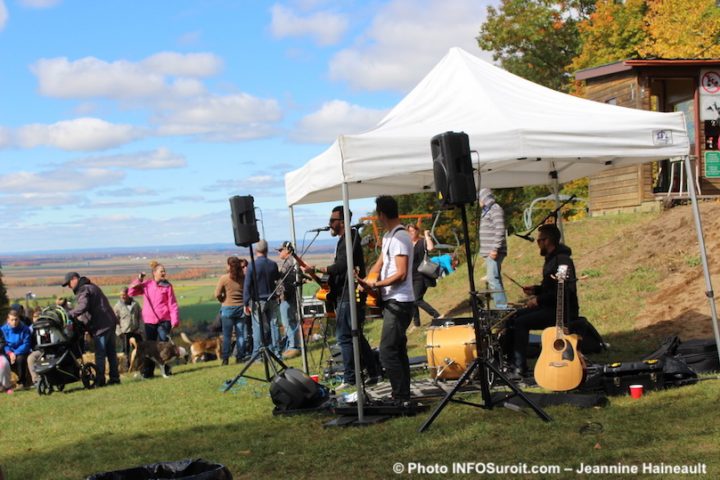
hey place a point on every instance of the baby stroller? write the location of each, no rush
(59, 338)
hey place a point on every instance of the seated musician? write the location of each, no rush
(541, 307)
(340, 294)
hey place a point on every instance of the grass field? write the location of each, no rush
(74, 434)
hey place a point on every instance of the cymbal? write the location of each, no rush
(488, 292)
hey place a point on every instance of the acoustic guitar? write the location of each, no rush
(561, 366)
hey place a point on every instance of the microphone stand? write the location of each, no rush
(554, 214)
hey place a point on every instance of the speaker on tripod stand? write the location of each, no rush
(455, 186)
(246, 233)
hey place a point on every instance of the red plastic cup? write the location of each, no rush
(316, 378)
(636, 391)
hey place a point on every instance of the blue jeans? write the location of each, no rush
(233, 318)
(494, 280)
(270, 325)
(289, 323)
(343, 334)
(105, 348)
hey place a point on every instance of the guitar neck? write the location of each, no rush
(312, 274)
(560, 310)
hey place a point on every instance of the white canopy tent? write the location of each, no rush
(523, 134)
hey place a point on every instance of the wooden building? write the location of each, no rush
(690, 86)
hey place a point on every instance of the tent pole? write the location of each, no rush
(556, 192)
(353, 306)
(703, 252)
(298, 297)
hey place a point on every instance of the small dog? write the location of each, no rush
(198, 348)
(159, 352)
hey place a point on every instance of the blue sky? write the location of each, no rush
(131, 123)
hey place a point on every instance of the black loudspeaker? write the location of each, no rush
(293, 390)
(452, 168)
(243, 220)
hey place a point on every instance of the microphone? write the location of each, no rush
(359, 225)
(321, 229)
(527, 237)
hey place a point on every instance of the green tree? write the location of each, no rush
(535, 39)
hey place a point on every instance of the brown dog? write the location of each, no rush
(159, 352)
(198, 348)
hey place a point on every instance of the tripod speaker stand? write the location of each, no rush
(451, 157)
(245, 229)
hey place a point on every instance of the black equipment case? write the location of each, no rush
(701, 355)
(617, 377)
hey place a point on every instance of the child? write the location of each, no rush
(17, 345)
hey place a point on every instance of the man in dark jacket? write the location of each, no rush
(266, 276)
(540, 312)
(340, 295)
(93, 309)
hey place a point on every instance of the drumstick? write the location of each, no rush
(512, 280)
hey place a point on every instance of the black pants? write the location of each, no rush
(419, 288)
(393, 346)
(20, 367)
(518, 331)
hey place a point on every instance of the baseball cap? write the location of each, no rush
(285, 245)
(69, 276)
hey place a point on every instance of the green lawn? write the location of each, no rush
(80, 432)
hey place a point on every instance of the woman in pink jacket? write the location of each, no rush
(160, 309)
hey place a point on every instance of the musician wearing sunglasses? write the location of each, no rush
(340, 295)
(540, 311)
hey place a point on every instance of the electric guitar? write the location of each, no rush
(561, 366)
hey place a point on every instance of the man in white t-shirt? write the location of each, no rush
(395, 283)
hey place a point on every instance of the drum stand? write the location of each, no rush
(481, 362)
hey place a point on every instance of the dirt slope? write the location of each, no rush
(669, 245)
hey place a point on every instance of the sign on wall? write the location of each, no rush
(712, 164)
(710, 94)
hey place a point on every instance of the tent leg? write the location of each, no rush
(556, 192)
(351, 297)
(703, 252)
(298, 298)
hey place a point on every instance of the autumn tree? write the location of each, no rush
(682, 29)
(535, 39)
(614, 31)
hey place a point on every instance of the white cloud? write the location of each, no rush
(3, 15)
(335, 118)
(160, 158)
(127, 192)
(325, 28)
(162, 74)
(78, 134)
(57, 181)
(406, 38)
(39, 3)
(5, 136)
(183, 64)
(24, 200)
(221, 118)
